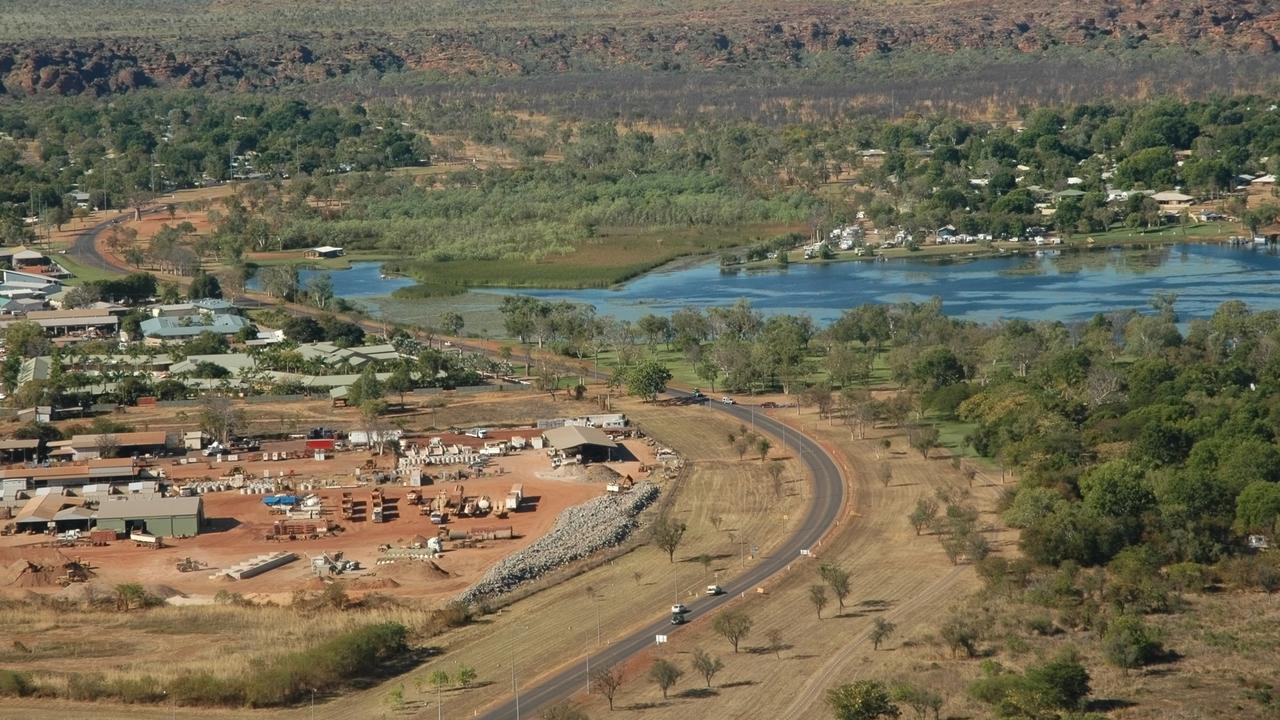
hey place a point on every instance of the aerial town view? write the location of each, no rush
(572, 360)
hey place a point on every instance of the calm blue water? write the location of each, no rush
(1065, 286)
(361, 280)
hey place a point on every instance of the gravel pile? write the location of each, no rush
(579, 531)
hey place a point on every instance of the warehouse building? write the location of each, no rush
(163, 517)
(588, 443)
(94, 472)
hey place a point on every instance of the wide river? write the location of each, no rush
(1051, 286)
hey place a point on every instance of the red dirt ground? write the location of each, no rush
(241, 522)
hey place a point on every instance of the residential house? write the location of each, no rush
(325, 251)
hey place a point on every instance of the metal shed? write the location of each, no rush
(163, 517)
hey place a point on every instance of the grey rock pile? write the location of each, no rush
(578, 532)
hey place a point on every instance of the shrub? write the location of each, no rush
(1129, 643)
(143, 689)
(1060, 684)
(86, 687)
(287, 678)
(205, 689)
(960, 633)
(15, 684)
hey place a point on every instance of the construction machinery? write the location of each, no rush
(457, 497)
(186, 565)
(332, 564)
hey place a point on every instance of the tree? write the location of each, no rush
(861, 700)
(648, 380)
(1117, 489)
(775, 641)
(885, 472)
(371, 422)
(706, 665)
(204, 285)
(319, 291)
(818, 596)
(665, 674)
(923, 438)
(451, 323)
(107, 445)
(280, 281)
(606, 681)
(762, 446)
(1045, 690)
(919, 700)
(707, 370)
(732, 625)
(25, 338)
(439, 679)
(366, 387)
(960, 634)
(838, 580)
(667, 535)
(1128, 643)
(1258, 507)
(129, 596)
(774, 470)
(926, 510)
(219, 418)
(303, 329)
(400, 382)
(881, 629)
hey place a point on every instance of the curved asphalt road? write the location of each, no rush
(828, 496)
(84, 251)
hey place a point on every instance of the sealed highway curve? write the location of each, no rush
(828, 497)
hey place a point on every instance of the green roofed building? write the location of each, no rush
(160, 516)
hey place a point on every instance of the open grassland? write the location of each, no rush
(169, 642)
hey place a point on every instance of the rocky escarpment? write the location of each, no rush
(781, 35)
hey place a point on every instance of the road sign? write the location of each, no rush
(661, 639)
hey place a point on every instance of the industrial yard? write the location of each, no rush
(624, 582)
(297, 514)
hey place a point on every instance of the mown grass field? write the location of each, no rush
(617, 255)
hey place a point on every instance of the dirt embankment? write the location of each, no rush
(777, 35)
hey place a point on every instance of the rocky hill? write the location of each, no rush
(769, 35)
